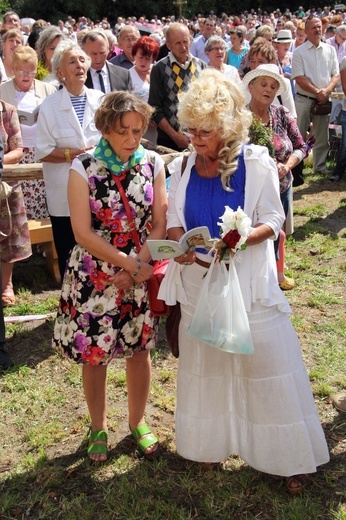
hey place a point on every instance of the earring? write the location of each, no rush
(63, 79)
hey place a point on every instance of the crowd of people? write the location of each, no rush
(205, 85)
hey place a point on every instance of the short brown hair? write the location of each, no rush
(115, 106)
(265, 48)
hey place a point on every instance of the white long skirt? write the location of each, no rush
(258, 406)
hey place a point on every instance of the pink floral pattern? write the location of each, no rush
(17, 245)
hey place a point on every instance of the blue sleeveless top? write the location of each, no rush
(206, 199)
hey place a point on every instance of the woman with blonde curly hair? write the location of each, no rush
(260, 405)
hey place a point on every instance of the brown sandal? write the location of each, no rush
(296, 483)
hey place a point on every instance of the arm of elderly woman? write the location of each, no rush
(59, 155)
(297, 141)
(78, 196)
(13, 156)
(11, 135)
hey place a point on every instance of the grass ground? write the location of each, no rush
(44, 473)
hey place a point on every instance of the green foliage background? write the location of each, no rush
(53, 11)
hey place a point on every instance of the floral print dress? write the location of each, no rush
(97, 322)
(17, 245)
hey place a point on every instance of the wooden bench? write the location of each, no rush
(40, 230)
(41, 233)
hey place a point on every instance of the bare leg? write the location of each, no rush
(138, 375)
(6, 279)
(95, 390)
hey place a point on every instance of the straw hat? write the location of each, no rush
(283, 36)
(269, 70)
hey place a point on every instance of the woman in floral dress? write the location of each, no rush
(104, 312)
(17, 245)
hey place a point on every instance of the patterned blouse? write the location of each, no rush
(10, 127)
(287, 139)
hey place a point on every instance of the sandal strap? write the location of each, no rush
(142, 429)
(98, 442)
(97, 449)
(144, 437)
(98, 435)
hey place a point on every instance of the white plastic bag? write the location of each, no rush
(220, 318)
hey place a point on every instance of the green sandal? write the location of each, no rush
(145, 439)
(98, 444)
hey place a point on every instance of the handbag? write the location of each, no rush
(172, 329)
(5, 192)
(321, 109)
(157, 307)
(220, 318)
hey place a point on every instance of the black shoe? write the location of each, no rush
(5, 360)
(335, 178)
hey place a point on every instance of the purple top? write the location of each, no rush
(287, 138)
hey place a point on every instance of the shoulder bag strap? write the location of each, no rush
(133, 230)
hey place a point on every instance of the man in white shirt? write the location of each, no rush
(102, 75)
(197, 46)
(316, 71)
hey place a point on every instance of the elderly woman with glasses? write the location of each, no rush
(27, 93)
(216, 48)
(259, 405)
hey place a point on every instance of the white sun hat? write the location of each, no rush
(269, 70)
(284, 36)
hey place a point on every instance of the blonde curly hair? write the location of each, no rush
(213, 102)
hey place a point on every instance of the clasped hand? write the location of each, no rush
(322, 95)
(123, 279)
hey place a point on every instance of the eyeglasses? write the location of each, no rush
(130, 38)
(201, 135)
(26, 72)
(221, 49)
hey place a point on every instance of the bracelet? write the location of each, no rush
(138, 268)
(67, 155)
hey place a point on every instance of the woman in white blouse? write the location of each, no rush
(65, 129)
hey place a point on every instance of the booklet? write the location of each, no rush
(28, 118)
(196, 237)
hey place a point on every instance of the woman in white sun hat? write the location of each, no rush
(265, 83)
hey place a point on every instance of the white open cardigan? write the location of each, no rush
(256, 266)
